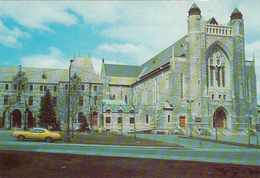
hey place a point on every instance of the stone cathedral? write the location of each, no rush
(199, 83)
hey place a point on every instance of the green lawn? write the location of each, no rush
(114, 139)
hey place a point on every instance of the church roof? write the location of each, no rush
(115, 105)
(82, 67)
(236, 11)
(194, 6)
(117, 70)
(212, 21)
(134, 72)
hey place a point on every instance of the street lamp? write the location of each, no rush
(190, 101)
(71, 60)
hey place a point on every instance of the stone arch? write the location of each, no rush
(221, 46)
(17, 118)
(81, 118)
(218, 65)
(220, 117)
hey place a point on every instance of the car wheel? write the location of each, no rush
(20, 138)
(48, 139)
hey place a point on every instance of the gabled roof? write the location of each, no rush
(82, 67)
(212, 21)
(115, 107)
(117, 70)
(135, 72)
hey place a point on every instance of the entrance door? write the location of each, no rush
(219, 118)
(17, 117)
(182, 121)
(95, 118)
(30, 120)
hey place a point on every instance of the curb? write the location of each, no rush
(222, 142)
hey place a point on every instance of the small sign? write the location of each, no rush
(258, 127)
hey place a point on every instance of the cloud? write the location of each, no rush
(8, 37)
(126, 53)
(53, 60)
(37, 15)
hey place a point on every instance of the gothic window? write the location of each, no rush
(55, 88)
(6, 100)
(31, 87)
(126, 101)
(6, 86)
(41, 88)
(217, 67)
(81, 100)
(108, 120)
(169, 118)
(132, 120)
(15, 86)
(223, 76)
(30, 100)
(147, 119)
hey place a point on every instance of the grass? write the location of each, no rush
(35, 164)
(114, 139)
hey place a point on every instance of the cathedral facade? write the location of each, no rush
(195, 85)
(199, 83)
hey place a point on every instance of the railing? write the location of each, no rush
(218, 30)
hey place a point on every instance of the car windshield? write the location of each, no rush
(31, 129)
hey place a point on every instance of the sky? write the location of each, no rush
(47, 34)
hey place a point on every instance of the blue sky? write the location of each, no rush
(123, 32)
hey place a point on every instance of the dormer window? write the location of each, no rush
(108, 111)
(120, 111)
(44, 76)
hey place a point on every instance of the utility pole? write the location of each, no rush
(190, 101)
(71, 60)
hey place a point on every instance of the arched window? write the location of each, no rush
(114, 97)
(81, 100)
(217, 61)
(126, 101)
(147, 119)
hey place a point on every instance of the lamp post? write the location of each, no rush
(71, 60)
(190, 101)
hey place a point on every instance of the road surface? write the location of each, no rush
(218, 154)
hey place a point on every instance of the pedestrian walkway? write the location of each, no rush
(202, 141)
(244, 141)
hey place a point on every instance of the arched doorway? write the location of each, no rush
(17, 118)
(219, 117)
(30, 120)
(95, 119)
(81, 118)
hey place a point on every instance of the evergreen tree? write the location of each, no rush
(47, 115)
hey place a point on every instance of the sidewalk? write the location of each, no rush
(202, 141)
(229, 140)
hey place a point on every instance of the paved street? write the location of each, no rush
(195, 150)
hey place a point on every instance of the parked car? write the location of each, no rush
(37, 133)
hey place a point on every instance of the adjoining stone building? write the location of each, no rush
(206, 69)
(200, 82)
(22, 88)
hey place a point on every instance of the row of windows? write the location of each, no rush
(219, 97)
(44, 87)
(131, 120)
(74, 87)
(18, 100)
